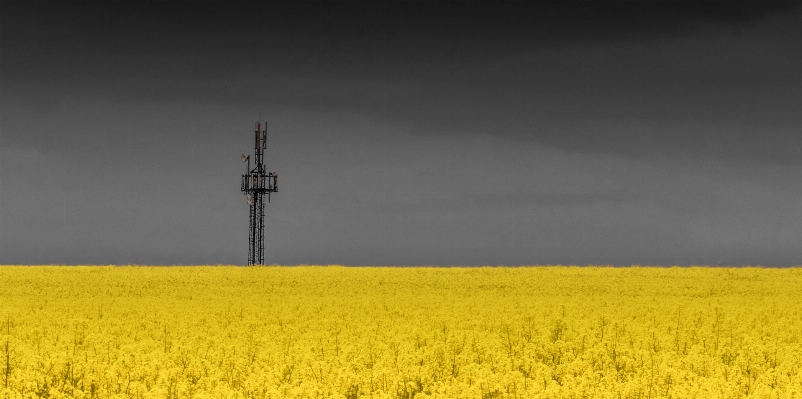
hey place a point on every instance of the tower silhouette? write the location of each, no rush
(255, 184)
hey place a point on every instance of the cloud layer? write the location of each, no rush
(404, 134)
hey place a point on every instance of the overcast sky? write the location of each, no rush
(403, 133)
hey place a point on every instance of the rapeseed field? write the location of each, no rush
(337, 332)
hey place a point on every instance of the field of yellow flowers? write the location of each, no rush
(338, 332)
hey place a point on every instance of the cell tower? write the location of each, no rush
(255, 184)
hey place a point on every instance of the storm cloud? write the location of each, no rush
(404, 133)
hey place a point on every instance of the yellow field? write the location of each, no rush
(541, 332)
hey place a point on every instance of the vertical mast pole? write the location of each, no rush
(256, 184)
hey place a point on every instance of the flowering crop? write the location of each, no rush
(309, 332)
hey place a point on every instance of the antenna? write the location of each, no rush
(255, 184)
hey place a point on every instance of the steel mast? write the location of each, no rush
(255, 184)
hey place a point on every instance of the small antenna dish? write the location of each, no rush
(244, 157)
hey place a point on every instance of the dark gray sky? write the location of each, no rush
(404, 133)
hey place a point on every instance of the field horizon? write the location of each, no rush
(612, 266)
